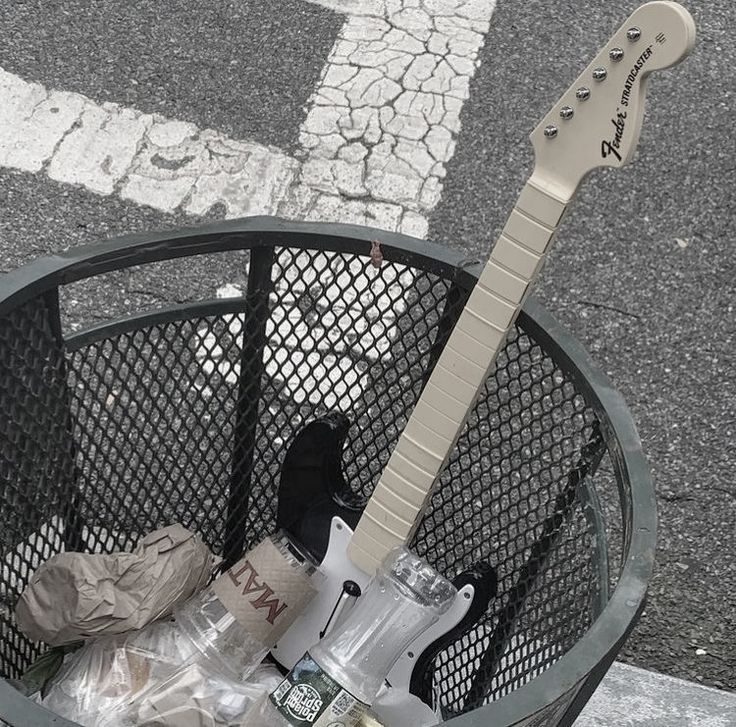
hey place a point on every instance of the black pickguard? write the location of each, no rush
(313, 489)
(482, 576)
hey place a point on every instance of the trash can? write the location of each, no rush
(182, 413)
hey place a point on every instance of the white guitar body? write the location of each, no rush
(336, 568)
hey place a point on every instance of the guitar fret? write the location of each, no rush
(465, 368)
(435, 439)
(481, 329)
(452, 380)
(519, 260)
(527, 233)
(444, 425)
(500, 312)
(393, 502)
(475, 349)
(445, 408)
(380, 533)
(391, 520)
(409, 469)
(394, 483)
(504, 282)
(548, 210)
(416, 452)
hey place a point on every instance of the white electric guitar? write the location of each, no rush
(595, 123)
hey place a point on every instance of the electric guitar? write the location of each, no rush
(595, 123)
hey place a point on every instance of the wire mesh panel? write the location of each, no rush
(153, 426)
(184, 415)
(36, 457)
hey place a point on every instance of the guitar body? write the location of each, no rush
(313, 488)
(319, 511)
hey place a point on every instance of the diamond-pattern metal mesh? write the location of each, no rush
(141, 424)
(36, 458)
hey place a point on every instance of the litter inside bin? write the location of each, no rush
(195, 695)
(217, 638)
(95, 680)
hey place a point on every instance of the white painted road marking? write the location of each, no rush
(384, 118)
(147, 159)
(379, 131)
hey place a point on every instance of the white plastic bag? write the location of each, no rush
(105, 672)
(195, 695)
(399, 708)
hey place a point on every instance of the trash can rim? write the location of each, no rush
(627, 599)
(85, 261)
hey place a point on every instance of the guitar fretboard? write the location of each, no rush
(424, 447)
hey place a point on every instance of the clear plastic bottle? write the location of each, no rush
(222, 622)
(336, 681)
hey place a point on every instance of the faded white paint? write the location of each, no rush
(378, 133)
(98, 150)
(382, 123)
(148, 159)
(180, 166)
(33, 122)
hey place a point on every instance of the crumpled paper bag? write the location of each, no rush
(75, 596)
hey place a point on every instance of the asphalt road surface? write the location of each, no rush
(135, 115)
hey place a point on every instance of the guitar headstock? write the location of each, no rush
(597, 120)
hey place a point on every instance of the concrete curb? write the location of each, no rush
(633, 697)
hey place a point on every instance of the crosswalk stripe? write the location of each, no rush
(148, 159)
(382, 122)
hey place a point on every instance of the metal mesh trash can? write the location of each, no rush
(182, 413)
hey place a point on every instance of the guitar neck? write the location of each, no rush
(407, 482)
(574, 138)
